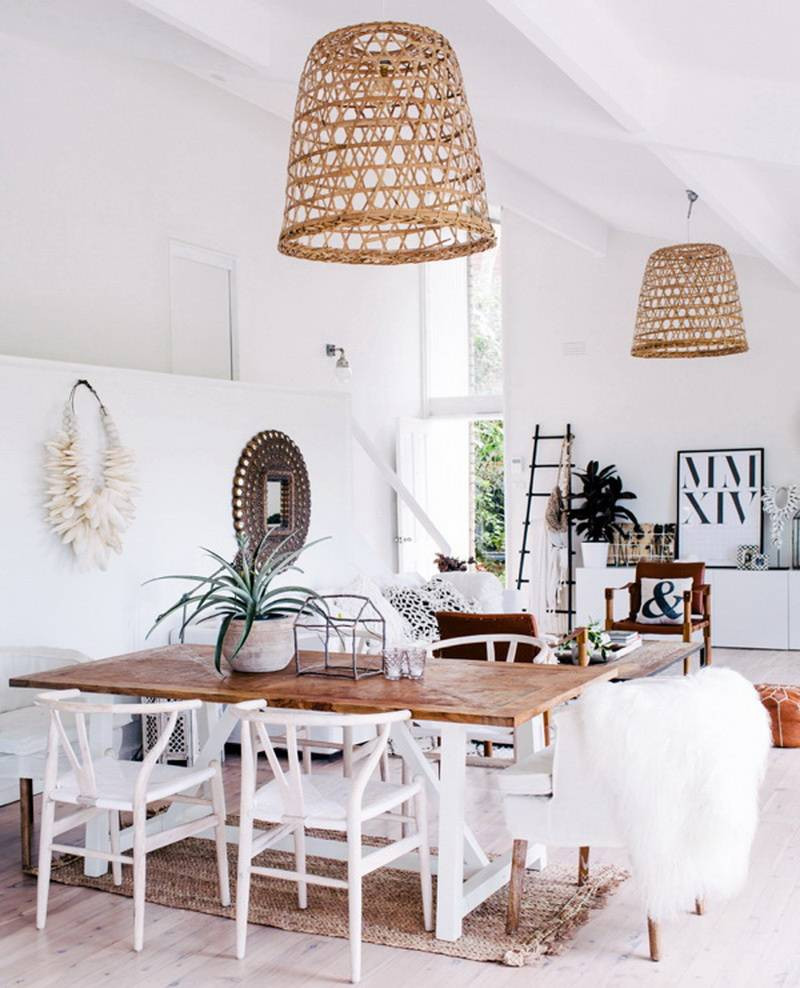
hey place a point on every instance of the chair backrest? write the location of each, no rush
(21, 661)
(493, 648)
(652, 569)
(457, 624)
(81, 761)
(256, 719)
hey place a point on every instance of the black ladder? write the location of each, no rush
(540, 437)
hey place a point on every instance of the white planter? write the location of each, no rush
(269, 646)
(595, 554)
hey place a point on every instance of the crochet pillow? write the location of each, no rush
(419, 605)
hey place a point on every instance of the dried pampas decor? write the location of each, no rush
(90, 515)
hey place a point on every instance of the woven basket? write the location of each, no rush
(383, 162)
(689, 304)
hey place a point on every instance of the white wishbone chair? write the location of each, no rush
(295, 800)
(110, 786)
(347, 746)
(487, 735)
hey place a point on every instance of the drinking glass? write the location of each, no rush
(393, 661)
(415, 660)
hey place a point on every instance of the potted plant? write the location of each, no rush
(599, 515)
(256, 630)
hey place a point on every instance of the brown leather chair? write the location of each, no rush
(696, 604)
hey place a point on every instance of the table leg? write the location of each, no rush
(450, 884)
(98, 837)
(408, 749)
(26, 822)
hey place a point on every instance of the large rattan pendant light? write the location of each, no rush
(689, 302)
(383, 163)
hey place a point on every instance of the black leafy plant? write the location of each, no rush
(600, 512)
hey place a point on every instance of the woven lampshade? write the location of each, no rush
(689, 304)
(383, 163)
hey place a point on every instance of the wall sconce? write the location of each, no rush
(342, 368)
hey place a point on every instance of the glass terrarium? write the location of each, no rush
(336, 630)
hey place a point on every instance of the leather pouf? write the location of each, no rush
(783, 704)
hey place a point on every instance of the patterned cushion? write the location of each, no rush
(419, 605)
(662, 600)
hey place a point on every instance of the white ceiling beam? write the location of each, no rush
(238, 28)
(542, 205)
(589, 48)
(746, 118)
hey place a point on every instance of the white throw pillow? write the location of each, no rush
(397, 627)
(662, 600)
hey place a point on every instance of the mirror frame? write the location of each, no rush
(271, 454)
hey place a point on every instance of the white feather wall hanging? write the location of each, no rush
(89, 513)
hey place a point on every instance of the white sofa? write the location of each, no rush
(23, 726)
(23, 731)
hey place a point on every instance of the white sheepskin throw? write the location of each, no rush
(682, 759)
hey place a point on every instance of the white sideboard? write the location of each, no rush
(749, 609)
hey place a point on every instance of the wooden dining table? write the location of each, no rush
(456, 693)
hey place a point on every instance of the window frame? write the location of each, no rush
(455, 406)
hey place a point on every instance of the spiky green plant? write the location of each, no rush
(242, 590)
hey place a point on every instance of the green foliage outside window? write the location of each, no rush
(489, 498)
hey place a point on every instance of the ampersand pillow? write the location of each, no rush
(662, 600)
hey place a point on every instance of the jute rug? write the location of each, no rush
(183, 875)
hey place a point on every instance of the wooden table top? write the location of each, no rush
(651, 658)
(457, 690)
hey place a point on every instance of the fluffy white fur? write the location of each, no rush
(682, 759)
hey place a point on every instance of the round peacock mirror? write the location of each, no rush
(271, 492)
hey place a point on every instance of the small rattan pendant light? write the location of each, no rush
(689, 302)
(383, 162)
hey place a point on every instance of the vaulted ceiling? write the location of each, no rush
(591, 114)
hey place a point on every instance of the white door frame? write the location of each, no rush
(181, 249)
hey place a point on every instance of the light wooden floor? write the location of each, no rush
(752, 942)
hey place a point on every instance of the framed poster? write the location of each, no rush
(719, 504)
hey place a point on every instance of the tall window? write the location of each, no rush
(485, 321)
(487, 495)
(464, 404)
(464, 334)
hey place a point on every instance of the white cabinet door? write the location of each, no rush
(749, 610)
(590, 593)
(794, 609)
(202, 309)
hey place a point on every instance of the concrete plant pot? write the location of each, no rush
(269, 646)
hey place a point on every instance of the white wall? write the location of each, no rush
(187, 434)
(632, 412)
(102, 161)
